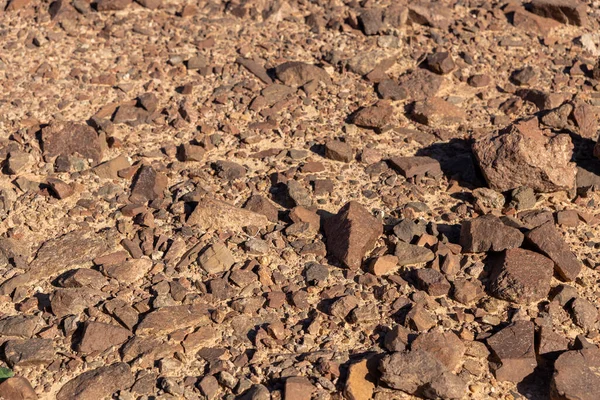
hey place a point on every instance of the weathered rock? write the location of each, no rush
(255, 68)
(359, 384)
(217, 258)
(342, 306)
(98, 337)
(429, 14)
(551, 344)
(522, 198)
(523, 156)
(572, 12)
(575, 375)
(17, 388)
(70, 138)
(23, 326)
(371, 21)
(514, 351)
(298, 193)
(585, 314)
(445, 346)
(171, 318)
(112, 5)
(298, 388)
(129, 271)
(215, 214)
(110, 169)
(586, 119)
(548, 241)
(531, 22)
(466, 291)
(338, 151)
(351, 233)
(98, 383)
(487, 233)
(420, 84)
(388, 89)
(410, 254)
(437, 112)
(192, 152)
(261, 205)
(229, 170)
(67, 301)
(521, 276)
(440, 62)
(416, 166)
(29, 352)
(384, 265)
(149, 185)
(296, 73)
(432, 282)
(396, 339)
(374, 117)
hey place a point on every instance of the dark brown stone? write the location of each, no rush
(149, 185)
(97, 383)
(70, 138)
(575, 375)
(514, 351)
(487, 233)
(572, 12)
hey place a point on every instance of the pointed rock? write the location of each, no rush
(486, 233)
(98, 383)
(514, 350)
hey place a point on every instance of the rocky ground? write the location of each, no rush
(304, 199)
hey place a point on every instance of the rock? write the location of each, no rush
(523, 156)
(18, 161)
(396, 339)
(533, 23)
(371, 21)
(148, 185)
(338, 151)
(551, 344)
(466, 291)
(192, 152)
(411, 254)
(229, 170)
(417, 372)
(351, 233)
(14, 5)
(420, 84)
(110, 169)
(445, 346)
(217, 258)
(558, 118)
(295, 73)
(298, 388)
(432, 282)
(521, 276)
(384, 265)
(569, 218)
(522, 198)
(17, 388)
(23, 326)
(112, 5)
(390, 90)
(129, 271)
(437, 112)
(524, 76)
(586, 119)
(575, 375)
(429, 14)
(487, 233)
(514, 351)
(489, 198)
(407, 229)
(480, 80)
(215, 214)
(30, 352)
(420, 319)
(254, 68)
(365, 62)
(298, 193)
(73, 301)
(572, 12)
(441, 63)
(261, 205)
(70, 138)
(416, 166)
(342, 306)
(374, 117)
(98, 337)
(548, 241)
(585, 314)
(301, 214)
(171, 318)
(359, 384)
(98, 383)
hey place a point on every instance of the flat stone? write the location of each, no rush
(411, 254)
(384, 265)
(70, 138)
(420, 84)
(30, 352)
(396, 339)
(432, 282)
(98, 383)
(531, 22)
(172, 318)
(68, 301)
(416, 166)
(23, 326)
(295, 73)
(514, 350)
(298, 388)
(255, 68)
(437, 112)
(585, 314)
(572, 12)
(261, 205)
(445, 346)
(374, 117)
(548, 241)
(342, 306)
(217, 258)
(521, 276)
(359, 384)
(229, 170)
(98, 337)
(110, 169)
(112, 5)
(338, 151)
(17, 388)
(523, 156)
(351, 233)
(390, 90)
(128, 271)
(440, 62)
(371, 21)
(215, 214)
(148, 185)
(575, 375)
(487, 233)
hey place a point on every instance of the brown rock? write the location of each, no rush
(429, 14)
(338, 151)
(523, 156)
(301, 214)
(112, 5)
(171, 318)
(217, 258)
(530, 22)
(70, 138)
(351, 233)
(17, 5)
(384, 265)
(68, 301)
(359, 384)
(61, 189)
(572, 12)
(420, 319)
(551, 343)
(521, 276)
(445, 346)
(98, 337)
(128, 271)
(192, 152)
(215, 214)
(514, 351)
(17, 388)
(416, 166)
(487, 233)
(261, 205)
(29, 352)
(586, 119)
(255, 68)
(478, 81)
(295, 73)
(388, 89)
(371, 21)
(440, 62)
(342, 306)
(437, 112)
(575, 375)
(374, 117)
(568, 218)
(411, 254)
(149, 185)
(298, 388)
(420, 84)
(396, 339)
(229, 170)
(548, 241)
(585, 314)
(23, 326)
(432, 282)
(98, 383)
(110, 169)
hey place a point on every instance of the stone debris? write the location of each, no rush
(514, 351)
(488, 233)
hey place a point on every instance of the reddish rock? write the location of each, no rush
(441, 63)
(572, 12)
(112, 5)
(338, 151)
(521, 276)
(523, 156)
(384, 265)
(416, 166)
(98, 337)
(487, 233)
(420, 84)
(360, 384)
(98, 383)
(149, 185)
(530, 22)
(437, 112)
(432, 282)
(445, 346)
(298, 388)
(351, 233)
(576, 375)
(295, 73)
(215, 214)
(261, 205)
(70, 138)
(17, 388)
(514, 351)
(548, 241)
(373, 117)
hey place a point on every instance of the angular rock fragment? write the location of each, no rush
(514, 350)
(432, 282)
(523, 156)
(521, 276)
(359, 384)
(296, 73)
(298, 388)
(128, 271)
(572, 12)
(72, 301)
(217, 258)
(548, 241)
(441, 63)
(215, 214)
(351, 233)
(416, 166)
(255, 68)
(487, 233)
(261, 205)
(98, 383)
(384, 265)
(149, 185)
(17, 388)
(171, 318)
(338, 151)
(23, 326)
(110, 169)
(411, 254)
(342, 306)
(29, 352)
(388, 89)
(575, 375)
(98, 337)
(585, 314)
(445, 346)
(374, 117)
(437, 112)
(70, 138)
(371, 21)
(229, 170)
(420, 84)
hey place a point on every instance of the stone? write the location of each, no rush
(18, 161)
(261, 205)
(351, 233)
(148, 101)
(514, 351)
(149, 185)
(99, 337)
(586, 119)
(112, 5)
(192, 152)
(524, 76)
(432, 282)
(338, 151)
(445, 346)
(82, 277)
(407, 229)
(17, 388)
(254, 68)
(390, 90)
(521, 276)
(383, 265)
(523, 156)
(420, 319)
(229, 170)
(486, 233)
(522, 198)
(569, 218)
(440, 62)
(29, 352)
(437, 112)
(416, 166)
(374, 117)
(371, 21)
(111, 168)
(128, 271)
(572, 12)
(70, 138)
(479, 80)
(298, 388)
(420, 84)
(551, 344)
(575, 375)
(298, 193)
(533, 23)
(429, 14)
(215, 214)
(209, 386)
(14, 5)
(342, 306)
(396, 339)
(295, 73)
(411, 254)
(98, 383)
(359, 384)
(171, 318)
(22, 326)
(547, 240)
(489, 198)
(466, 291)
(73, 301)
(301, 214)
(585, 314)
